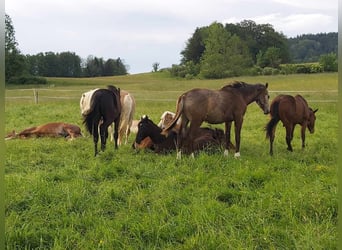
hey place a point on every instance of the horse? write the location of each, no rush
(127, 112)
(227, 105)
(149, 132)
(105, 108)
(53, 129)
(166, 118)
(291, 111)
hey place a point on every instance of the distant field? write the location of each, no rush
(60, 197)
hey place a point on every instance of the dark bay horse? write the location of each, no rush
(227, 105)
(291, 111)
(105, 108)
(204, 138)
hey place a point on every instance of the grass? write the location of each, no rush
(60, 197)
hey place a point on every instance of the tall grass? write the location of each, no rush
(61, 197)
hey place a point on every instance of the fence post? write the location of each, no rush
(35, 93)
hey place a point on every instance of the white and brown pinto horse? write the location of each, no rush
(53, 129)
(127, 113)
(227, 105)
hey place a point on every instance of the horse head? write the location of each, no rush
(311, 120)
(263, 98)
(146, 128)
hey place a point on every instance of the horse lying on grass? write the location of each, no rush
(53, 129)
(151, 136)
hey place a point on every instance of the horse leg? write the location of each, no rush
(237, 125)
(116, 132)
(95, 132)
(227, 134)
(272, 136)
(303, 135)
(289, 135)
(104, 134)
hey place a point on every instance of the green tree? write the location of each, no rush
(271, 58)
(69, 64)
(14, 60)
(329, 62)
(225, 55)
(195, 46)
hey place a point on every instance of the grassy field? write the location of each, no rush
(59, 196)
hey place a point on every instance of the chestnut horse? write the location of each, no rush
(53, 129)
(291, 111)
(227, 105)
(105, 107)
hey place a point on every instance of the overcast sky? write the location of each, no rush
(142, 32)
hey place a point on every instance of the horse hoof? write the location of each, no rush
(226, 152)
(237, 155)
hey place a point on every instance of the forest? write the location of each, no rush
(214, 51)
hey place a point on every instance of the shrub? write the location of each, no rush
(23, 80)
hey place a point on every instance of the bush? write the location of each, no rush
(329, 62)
(24, 80)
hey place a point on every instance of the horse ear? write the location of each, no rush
(266, 85)
(315, 110)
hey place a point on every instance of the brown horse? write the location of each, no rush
(105, 109)
(53, 129)
(291, 111)
(227, 105)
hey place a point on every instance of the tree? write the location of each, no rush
(329, 62)
(225, 55)
(195, 46)
(14, 60)
(270, 58)
(155, 67)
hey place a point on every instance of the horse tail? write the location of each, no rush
(89, 118)
(180, 105)
(274, 120)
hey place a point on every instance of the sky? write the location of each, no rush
(144, 32)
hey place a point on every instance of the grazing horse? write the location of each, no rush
(291, 111)
(53, 129)
(150, 135)
(105, 107)
(127, 112)
(226, 105)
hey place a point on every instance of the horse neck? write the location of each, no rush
(156, 135)
(249, 94)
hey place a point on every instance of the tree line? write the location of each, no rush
(247, 48)
(24, 68)
(214, 51)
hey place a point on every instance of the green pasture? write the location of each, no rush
(59, 196)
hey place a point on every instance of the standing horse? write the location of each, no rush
(291, 111)
(127, 112)
(226, 105)
(105, 105)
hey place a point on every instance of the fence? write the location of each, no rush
(50, 94)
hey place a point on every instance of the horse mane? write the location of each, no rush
(235, 85)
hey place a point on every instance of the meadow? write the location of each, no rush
(59, 196)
